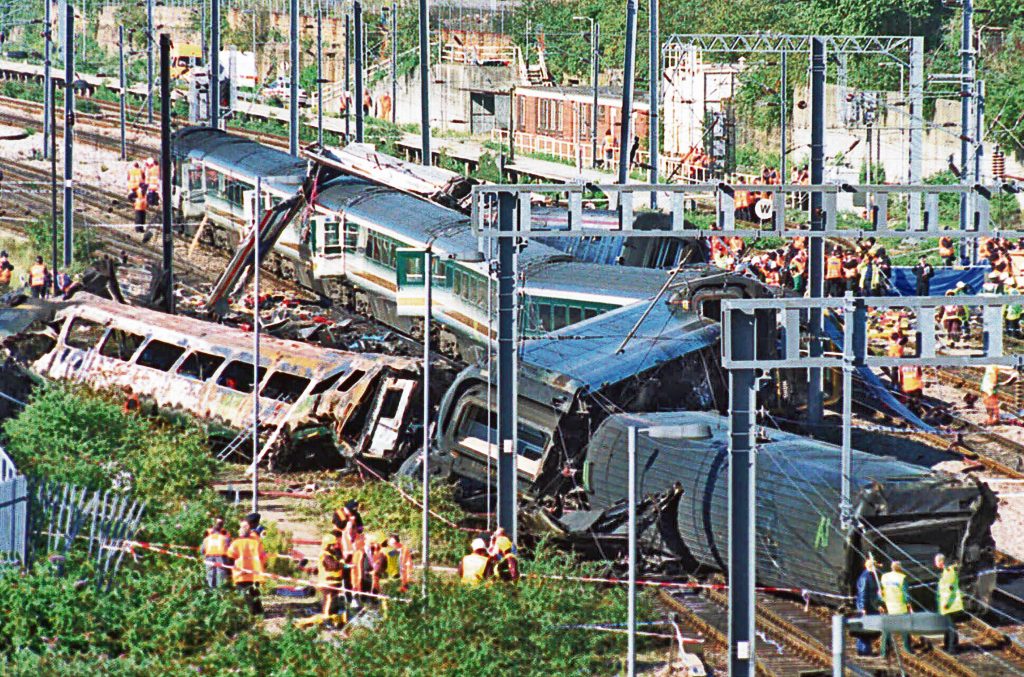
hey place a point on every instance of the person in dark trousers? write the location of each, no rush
(924, 272)
(246, 551)
(950, 601)
(38, 278)
(867, 601)
(6, 269)
(349, 511)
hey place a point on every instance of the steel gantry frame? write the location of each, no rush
(503, 213)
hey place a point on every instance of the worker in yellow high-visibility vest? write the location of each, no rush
(893, 586)
(950, 601)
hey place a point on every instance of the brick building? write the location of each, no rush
(557, 121)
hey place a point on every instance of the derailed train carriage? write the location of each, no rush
(901, 511)
(314, 402)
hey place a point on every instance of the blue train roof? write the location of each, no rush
(599, 280)
(585, 353)
(241, 156)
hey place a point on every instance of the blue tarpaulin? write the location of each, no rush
(905, 282)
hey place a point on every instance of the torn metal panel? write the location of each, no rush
(309, 396)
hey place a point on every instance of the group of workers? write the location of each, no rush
(381, 108)
(143, 189)
(889, 593)
(492, 556)
(39, 280)
(242, 555)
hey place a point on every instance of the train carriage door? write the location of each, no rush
(389, 413)
(410, 294)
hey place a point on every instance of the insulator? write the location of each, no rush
(998, 164)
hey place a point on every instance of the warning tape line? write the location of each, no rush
(130, 545)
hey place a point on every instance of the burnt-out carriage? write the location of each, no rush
(315, 403)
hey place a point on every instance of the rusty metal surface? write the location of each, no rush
(342, 410)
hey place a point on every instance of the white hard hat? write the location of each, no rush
(478, 544)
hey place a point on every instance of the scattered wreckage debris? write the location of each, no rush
(316, 404)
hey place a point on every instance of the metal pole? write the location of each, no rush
(69, 134)
(394, 62)
(293, 125)
(782, 120)
(48, 101)
(742, 476)
(596, 57)
(357, 23)
(427, 309)
(816, 261)
(202, 31)
(966, 92)
(149, 59)
(424, 84)
(979, 127)
(627, 92)
(631, 601)
(256, 218)
(348, 80)
(214, 89)
(165, 171)
(53, 179)
(506, 375)
(319, 74)
(838, 645)
(654, 58)
(120, 55)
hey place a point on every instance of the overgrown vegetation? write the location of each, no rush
(83, 245)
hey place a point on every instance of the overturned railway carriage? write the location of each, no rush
(314, 402)
(361, 244)
(901, 511)
(570, 380)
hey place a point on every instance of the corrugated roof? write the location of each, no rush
(241, 156)
(586, 352)
(577, 277)
(798, 482)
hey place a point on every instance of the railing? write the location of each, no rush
(8, 470)
(480, 54)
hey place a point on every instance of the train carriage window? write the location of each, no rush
(590, 312)
(121, 345)
(476, 424)
(200, 366)
(389, 408)
(544, 310)
(575, 314)
(284, 387)
(238, 376)
(558, 317)
(195, 177)
(84, 334)
(350, 380)
(332, 238)
(351, 236)
(325, 385)
(160, 355)
(234, 192)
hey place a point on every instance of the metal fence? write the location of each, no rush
(14, 511)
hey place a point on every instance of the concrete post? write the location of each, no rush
(628, 73)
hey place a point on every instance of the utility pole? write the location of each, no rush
(427, 310)
(783, 105)
(424, 84)
(394, 62)
(348, 80)
(966, 93)
(594, 109)
(48, 102)
(121, 78)
(202, 31)
(817, 219)
(631, 551)
(293, 126)
(319, 74)
(165, 171)
(214, 87)
(654, 59)
(506, 370)
(69, 132)
(979, 127)
(628, 73)
(357, 21)
(149, 59)
(257, 216)
(53, 179)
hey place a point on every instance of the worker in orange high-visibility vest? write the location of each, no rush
(214, 551)
(946, 251)
(141, 206)
(38, 278)
(912, 378)
(835, 285)
(135, 178)
(249, 565)
(152, 177)
(6, 269)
